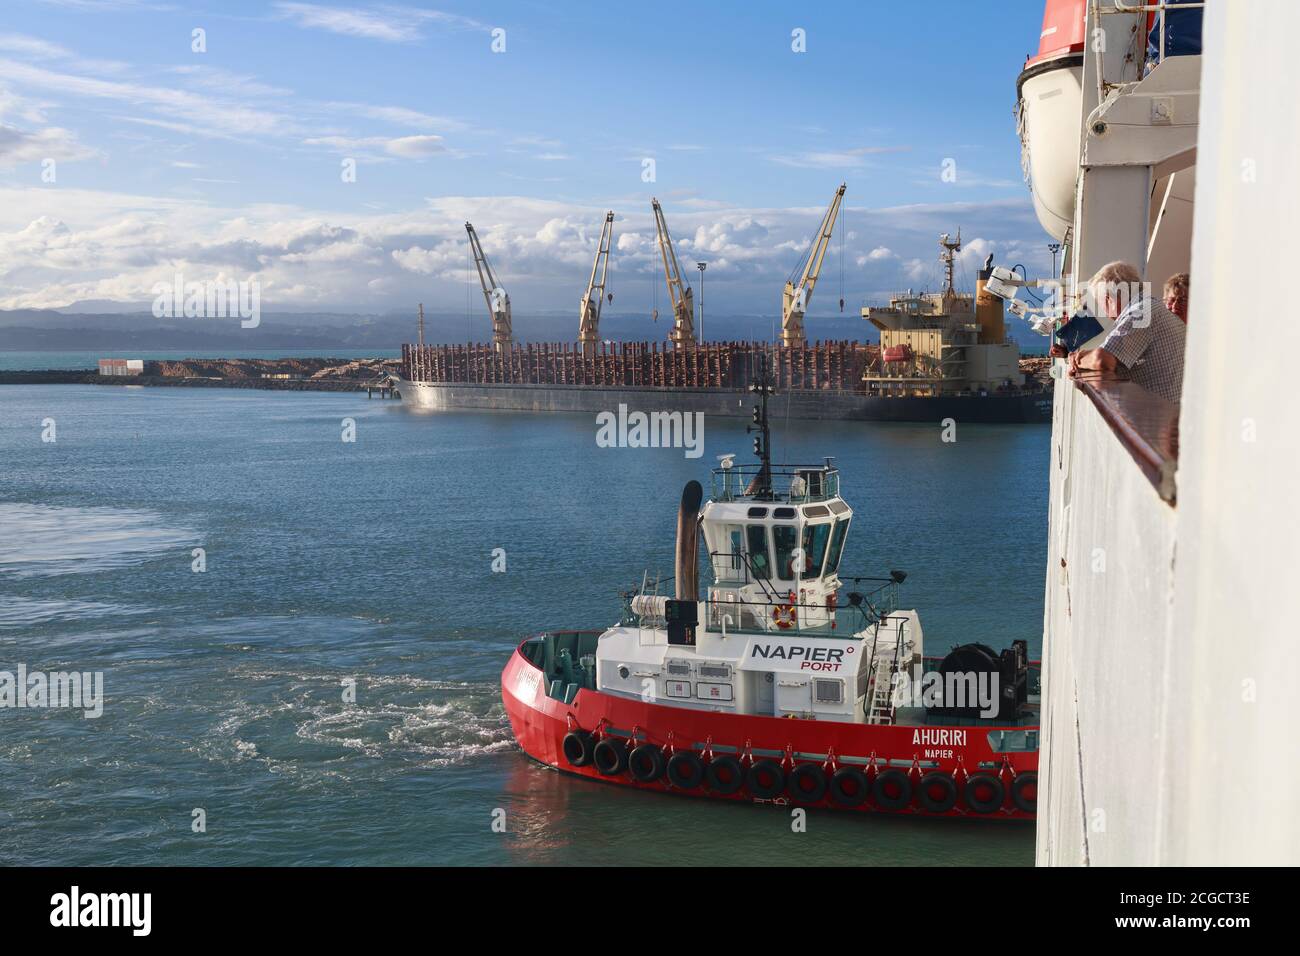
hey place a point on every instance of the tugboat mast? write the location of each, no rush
(761, 486)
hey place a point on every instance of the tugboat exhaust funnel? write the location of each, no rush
(688, 546)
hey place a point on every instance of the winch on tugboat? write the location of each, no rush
(789, 682)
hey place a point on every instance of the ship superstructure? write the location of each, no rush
(944, 343)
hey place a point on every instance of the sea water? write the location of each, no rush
(300, 637)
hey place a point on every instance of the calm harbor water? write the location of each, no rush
(371, 561)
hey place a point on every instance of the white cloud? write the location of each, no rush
(18, 146)
(400, 116)
(390, 24)
(31, 46)
(61, 246)
(406, 147)
(217, 116)
(834, 159)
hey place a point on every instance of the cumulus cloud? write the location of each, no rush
(60, 247)
(18, 146)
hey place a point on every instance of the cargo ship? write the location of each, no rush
(940, 356)
(791, 682)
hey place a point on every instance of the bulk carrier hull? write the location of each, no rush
(803, 405)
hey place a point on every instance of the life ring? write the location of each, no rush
(786, 616)
(646, 763)
(1024, 792)
(765, 779)
(937, 792)
(609, 756)
(892, 790)
(724, 775)
(849, 787)
(685, 771)
(984, 792)
(806, 784)
(577, 748)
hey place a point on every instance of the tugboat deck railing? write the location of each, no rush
(789, 484)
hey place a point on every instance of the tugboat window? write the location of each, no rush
(815, 537)
(784, 539)
(757, 537)
(837, 545)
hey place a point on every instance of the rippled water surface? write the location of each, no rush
(332, 565)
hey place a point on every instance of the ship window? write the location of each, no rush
(783, 513)
(757, 513)
(815, 537)
(736, 545)
(784, 539)
(829, 691)
(757, 540)
(837, 545)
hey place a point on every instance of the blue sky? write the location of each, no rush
(228, 162)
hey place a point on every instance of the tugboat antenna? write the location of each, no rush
(761, 486)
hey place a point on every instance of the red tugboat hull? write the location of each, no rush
(953, 771)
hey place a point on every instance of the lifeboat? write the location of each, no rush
(1049, 94)
(790, 681)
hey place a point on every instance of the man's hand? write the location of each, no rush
(1094, 361)
(1057, 351)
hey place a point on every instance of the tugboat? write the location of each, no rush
(790, 683)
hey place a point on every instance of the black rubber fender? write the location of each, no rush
(646, 763)
(610, 756)
(984, 793)
(765, 779)
(724, 775)
(577, 748)
(806, 784)
(849, 787)
(892, 789)
(937, 792)
(685, 770)
(1025, 801)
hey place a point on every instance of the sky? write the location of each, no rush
(133, 148)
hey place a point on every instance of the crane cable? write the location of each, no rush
(841, 263)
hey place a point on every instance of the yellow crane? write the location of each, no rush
(498, 302)
(683, 330)
(794, 301)
(589, 314)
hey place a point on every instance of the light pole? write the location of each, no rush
(701, 266)
(1053, 248)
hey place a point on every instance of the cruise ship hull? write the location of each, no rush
(803, 405)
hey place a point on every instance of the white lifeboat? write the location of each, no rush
(1049, 92)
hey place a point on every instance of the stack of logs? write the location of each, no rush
(821, 365)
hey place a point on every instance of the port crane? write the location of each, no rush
(794, 301)
(589, 314)
(498, 302)
(683, 330)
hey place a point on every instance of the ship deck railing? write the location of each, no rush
(855, 613)
(788, 484)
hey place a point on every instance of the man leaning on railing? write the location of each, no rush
(1146, 344)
